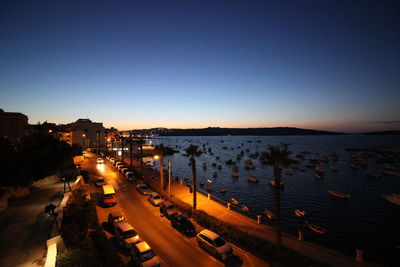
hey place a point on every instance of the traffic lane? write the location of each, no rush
(173, 248)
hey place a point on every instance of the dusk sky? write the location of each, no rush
(330, 65)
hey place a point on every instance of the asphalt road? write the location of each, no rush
(173, 248)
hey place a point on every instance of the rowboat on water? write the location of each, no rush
(315, 228)
(391, 173)
(215, 174)
(270, 215)
(252, 179)
(234, 201)
(222, 190)
(339, 194)
(318, 176)
(299, 213)
(319, 170)
(393, 198)
(235, 174)
(334, 168)
(245, 208)
(272, 183)
(374, 174)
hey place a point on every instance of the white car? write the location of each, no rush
(130, 176)
(155, 199)
(100, 182)
(126, 235)
(100, 161)
(214, 244)
(144, 255)
(143, 189)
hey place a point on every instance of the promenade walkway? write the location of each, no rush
(249, 225)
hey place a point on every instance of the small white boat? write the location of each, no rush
(315, 228)
(272, 183)
(339, 194)
(245, 208)
(252, 179)
(270, 215)
(393, 198)
(299, 213)
(234, 201)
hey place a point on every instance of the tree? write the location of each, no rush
(140, 143)
(161, 150)
(278, 158)
(192, 152)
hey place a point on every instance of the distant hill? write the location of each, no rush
(384, 133)
(216, 131)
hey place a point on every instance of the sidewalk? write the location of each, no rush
(25, 228)
(249, 225)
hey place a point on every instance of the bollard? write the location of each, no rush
(259, 219)
(181, 182)
(229, 206)
(209, 196)
(359, 255)
(301, 235)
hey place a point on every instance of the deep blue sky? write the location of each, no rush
(332, 65)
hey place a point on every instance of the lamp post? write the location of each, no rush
(169, 177)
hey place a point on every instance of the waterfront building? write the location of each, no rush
(85, 133)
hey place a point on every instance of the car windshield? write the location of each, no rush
(219, 242)
(144, 187)
(156, 197)
(100, 180)
(170, 207)
(148, 255)
(130, 233)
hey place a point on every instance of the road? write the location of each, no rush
(173, 248)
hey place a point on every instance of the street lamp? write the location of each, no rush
(156, 157)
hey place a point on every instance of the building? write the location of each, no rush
(13, 125)
(85, 133)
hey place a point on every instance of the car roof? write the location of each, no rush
(116, 213)
(143, 246)
(125, 226)
(154, 194)
(209, 234)
(142, 185)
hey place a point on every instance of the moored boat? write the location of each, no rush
(319, 170)
(272, 183)
(222, 190)
(318, 176)
(374, 174)
(316, 228)
(339, 194)
(270, 215)
(299, 213)
(215, 174)
(235, 174)
(391, 173)
(252, 179)
(245, 208)
(234, 201)
(393, 198)
(334, 168)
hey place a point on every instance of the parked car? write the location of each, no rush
(112, 160)
(123, 170)
(130, 176)
(144, 189)
(109, 197)
(100, 161)
(144, 256)
(214, 244)
(126, 235)
(168, 209)
(120, 167)
(115, 217)
(155, 199)
(118, 163)
(100, 182)
(183, 224)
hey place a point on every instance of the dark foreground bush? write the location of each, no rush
(84, 256)
(183, 207)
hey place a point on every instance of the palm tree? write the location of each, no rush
(278, 158)
(192, 152)
(161, 151)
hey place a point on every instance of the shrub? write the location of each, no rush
(182, 206)
(84, 256)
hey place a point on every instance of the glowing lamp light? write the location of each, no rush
(156, 156)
